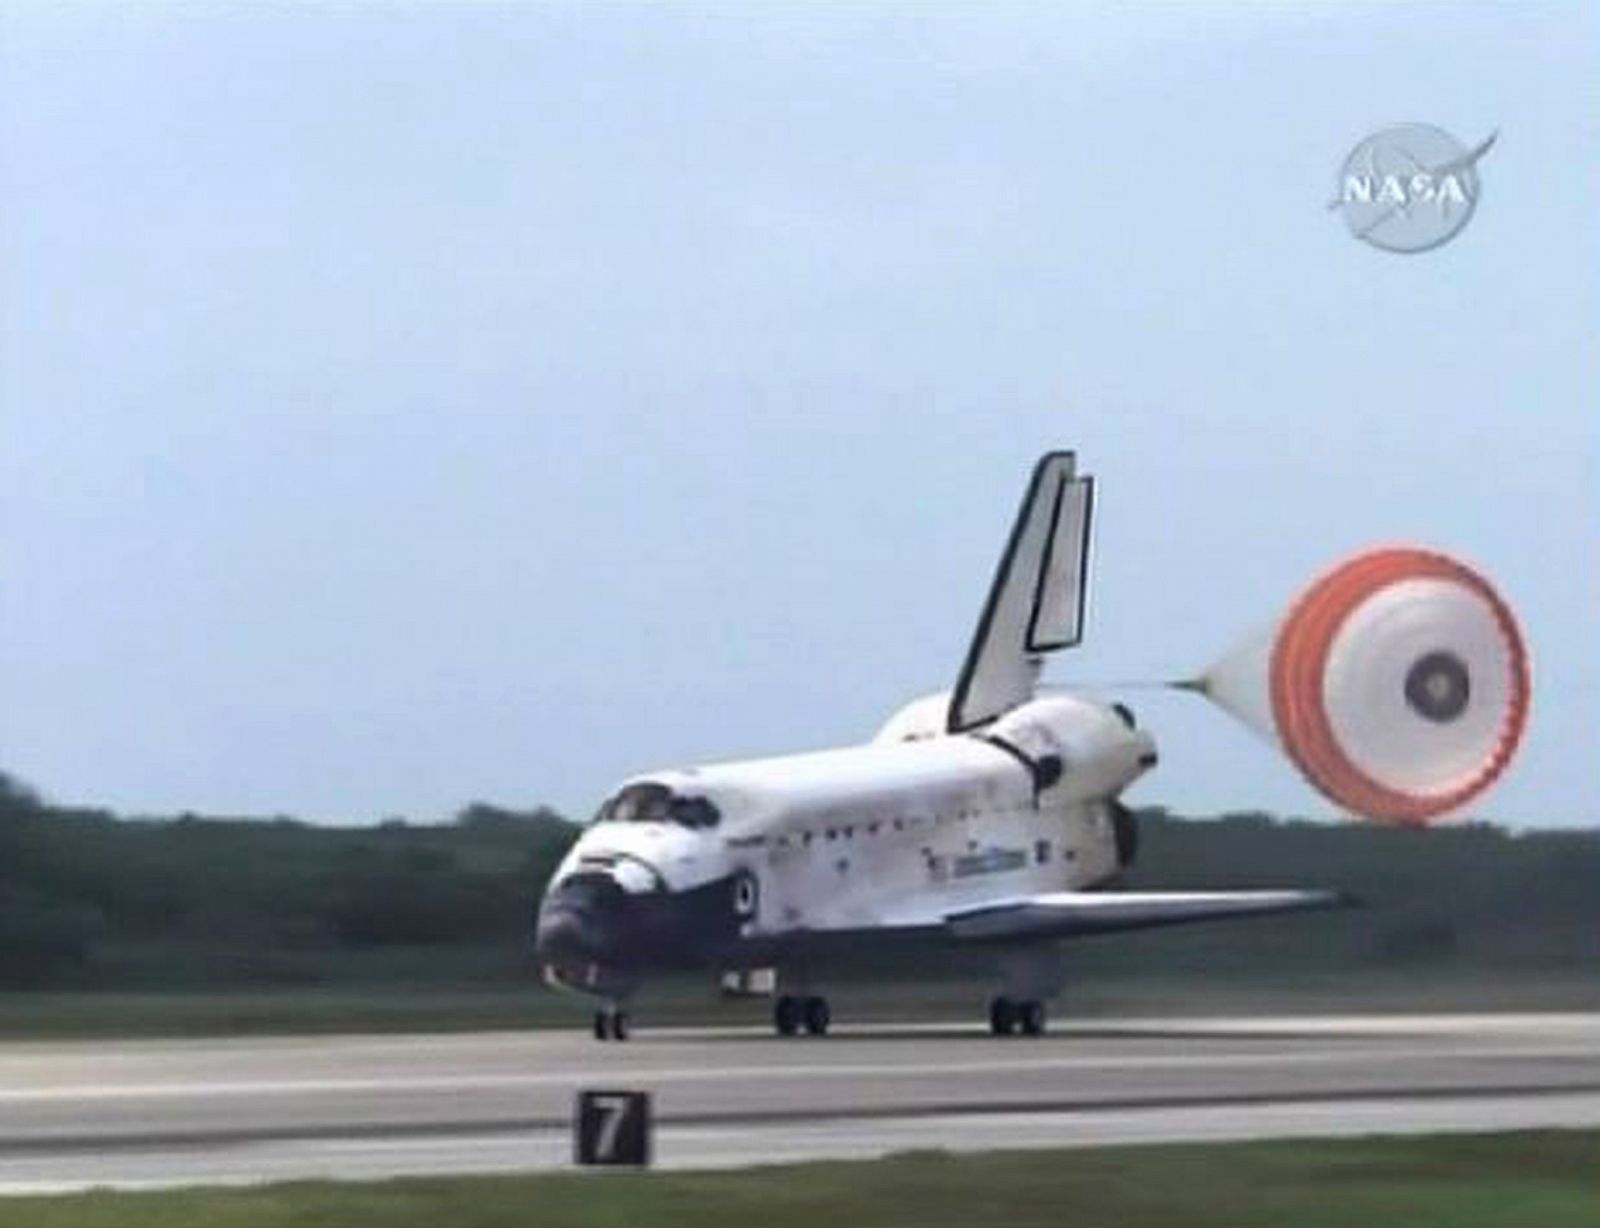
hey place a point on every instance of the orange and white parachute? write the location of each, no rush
(1397, 683)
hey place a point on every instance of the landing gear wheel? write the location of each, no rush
(786, 1015)
(817, 1016)
(610, 1024)
(1030, 1018)
(1003, 1016)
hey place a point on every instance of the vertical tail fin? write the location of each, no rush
(1036, 601)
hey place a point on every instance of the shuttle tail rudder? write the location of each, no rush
(1036, 602)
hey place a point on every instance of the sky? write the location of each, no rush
(407, 404)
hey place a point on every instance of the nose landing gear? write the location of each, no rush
(611, 1024)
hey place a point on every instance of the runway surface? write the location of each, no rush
(153, 1113)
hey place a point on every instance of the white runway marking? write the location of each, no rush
(169, 1113)
(667, 1074)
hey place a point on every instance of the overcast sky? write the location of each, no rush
(405, 405)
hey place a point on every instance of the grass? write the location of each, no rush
(1534, 1179)
(88, 1014)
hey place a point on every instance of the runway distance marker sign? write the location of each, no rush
(612, 1128)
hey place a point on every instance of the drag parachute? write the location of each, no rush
(1397, 683)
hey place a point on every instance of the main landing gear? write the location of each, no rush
(791, 1014)
(611, 1024)
(1008, 1017)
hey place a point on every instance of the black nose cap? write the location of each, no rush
(577, 920)
(565, 936)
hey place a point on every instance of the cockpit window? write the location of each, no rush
(652, 803)
(694, 812)
(637, 804)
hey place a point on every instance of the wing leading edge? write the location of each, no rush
(1062, 914)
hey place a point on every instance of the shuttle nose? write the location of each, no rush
(565, 938)
(578, 921)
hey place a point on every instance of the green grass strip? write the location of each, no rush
(1532, 1179)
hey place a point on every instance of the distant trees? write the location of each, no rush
(42, 935)
(16, 798)
(1469, 894)
(89, 899)
(42, 940)
(419, 895)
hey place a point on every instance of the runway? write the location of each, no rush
(156, 1113)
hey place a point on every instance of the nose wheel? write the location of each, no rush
(791, 1015)
(611, 1024)
(1009, 1018)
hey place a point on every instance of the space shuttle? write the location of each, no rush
(990, 814)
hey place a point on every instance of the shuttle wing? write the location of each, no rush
(1062, 914)
(1036, 601)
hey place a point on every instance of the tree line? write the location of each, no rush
(89, 899)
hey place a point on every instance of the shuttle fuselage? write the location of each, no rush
(749, 863)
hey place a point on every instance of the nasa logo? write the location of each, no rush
(1409, 188)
